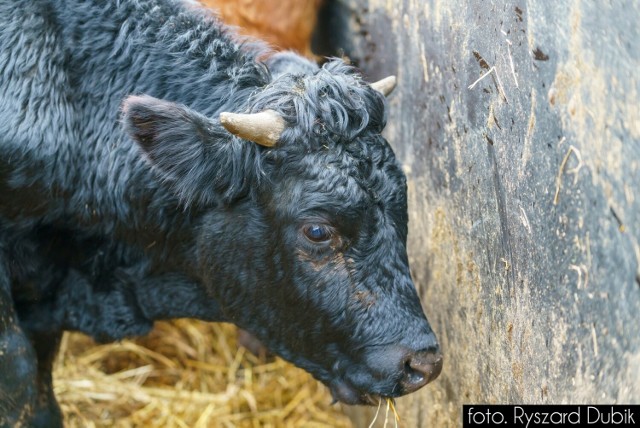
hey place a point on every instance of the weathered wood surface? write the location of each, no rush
(524, 191)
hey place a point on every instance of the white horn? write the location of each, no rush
(385, 86)
(262, 128)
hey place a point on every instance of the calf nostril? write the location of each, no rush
(420, 369)
(412, 376)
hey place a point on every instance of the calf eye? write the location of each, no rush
(317, 232)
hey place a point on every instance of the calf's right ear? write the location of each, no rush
(193, 154)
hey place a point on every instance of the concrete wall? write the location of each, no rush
(524, 191)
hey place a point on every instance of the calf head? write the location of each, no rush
(302, 237)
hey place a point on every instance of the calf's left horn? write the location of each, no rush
(262, 128)
(385, 86)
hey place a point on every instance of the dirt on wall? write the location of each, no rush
(518, 127)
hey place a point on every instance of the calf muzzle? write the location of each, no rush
(388, 371)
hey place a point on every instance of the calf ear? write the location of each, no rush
(201, 162)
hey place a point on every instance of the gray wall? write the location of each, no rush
(523, 190)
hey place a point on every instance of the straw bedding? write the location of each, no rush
(185, 374)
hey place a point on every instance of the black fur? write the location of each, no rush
(123, 200)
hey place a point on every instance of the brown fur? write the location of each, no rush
(286, 24)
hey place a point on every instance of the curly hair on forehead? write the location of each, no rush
(333, 104)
